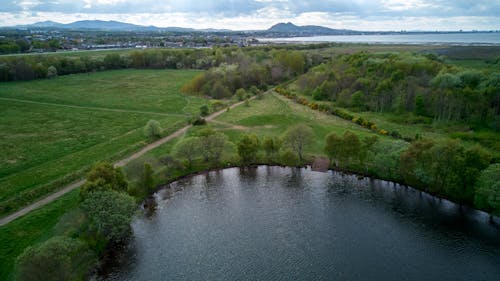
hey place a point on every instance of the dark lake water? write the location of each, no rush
(273, 223)
(479, 38)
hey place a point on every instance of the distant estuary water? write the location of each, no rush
(273, 223)
(479, 38)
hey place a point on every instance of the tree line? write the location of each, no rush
(252, 60)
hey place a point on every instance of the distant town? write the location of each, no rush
(98, 35)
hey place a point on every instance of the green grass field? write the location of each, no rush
(270, 116)
(52, 128)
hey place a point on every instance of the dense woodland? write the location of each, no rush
(421, 84)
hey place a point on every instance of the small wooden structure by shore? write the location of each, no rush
(320, 165)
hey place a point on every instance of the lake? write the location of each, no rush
(274, 223)
(490, 38)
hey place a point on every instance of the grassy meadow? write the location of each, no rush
(54, 128)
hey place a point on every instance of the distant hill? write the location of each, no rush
(113, 26)
(307, 29)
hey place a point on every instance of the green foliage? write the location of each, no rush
(298, 138)
(204, 111)
(148, 181)
(153, 129)
(487, 196)
(333, 147)
(289, 158)
(188, 149)
(212, 145)
(248, 147)
(59, 258)
(241, 94)
(103, 176)
(271, 147)
(445, 167)
(110, 214)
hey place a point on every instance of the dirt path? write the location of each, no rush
(92, 107)
(120, 163)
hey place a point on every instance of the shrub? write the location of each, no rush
(204, 111)
(59, 258)
(152, 129)
(289, 158)
(110, 214)
(51, 72)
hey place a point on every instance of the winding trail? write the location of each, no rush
(121, 163)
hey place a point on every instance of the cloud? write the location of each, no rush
(258, 14)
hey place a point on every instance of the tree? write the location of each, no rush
(152, 129)
(103, 176)
(351, 147)
(241, 94)
(59, 258)
(420, 105)
(109, 214)
(298, 138)
(333, 147)
(204, 110)
(248, 147)
(189, 149)
(487, 190)
(212, 145)
(148, 181)
(271, 147)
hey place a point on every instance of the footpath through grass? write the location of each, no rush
(42, 141)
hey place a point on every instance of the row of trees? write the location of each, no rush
(420, 84)
(252, 61)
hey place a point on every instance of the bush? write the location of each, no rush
(199, 121)
(152, 129)
(289, 158)
(110, 214)
(59, 258)
(103, 176)
(248, 147)
(204, 111)
(51, 72)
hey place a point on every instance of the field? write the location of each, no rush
(52, 130)
(270, 116)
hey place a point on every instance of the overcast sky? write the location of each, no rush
(261, 14)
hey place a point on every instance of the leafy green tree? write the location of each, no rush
(109, 214)
(189, 149)
(351, 147)
(241, 94)
(103, 176)
(204, 111)
(487, 190)
(248, 146)
(271, 147)
(59, 258)
(298, 137)
(148, 181)
(420, 105)
(333, 148)
(358, 100)
(152, 129)
(289, 158)
(212, 145)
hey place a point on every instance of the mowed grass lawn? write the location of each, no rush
(52, 128)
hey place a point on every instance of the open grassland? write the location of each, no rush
(52, 128)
